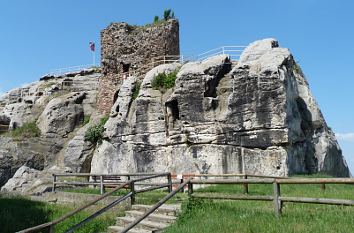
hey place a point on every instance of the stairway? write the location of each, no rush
(156, 222)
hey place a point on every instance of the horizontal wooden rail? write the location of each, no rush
(234, 181)
(234, 197)
(326, 201)
(316, 181)
(116, 174)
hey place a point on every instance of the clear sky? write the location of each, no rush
(40, 35)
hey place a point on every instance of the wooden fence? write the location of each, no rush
(277, 199)
(130, 181)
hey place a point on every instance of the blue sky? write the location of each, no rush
(40, 35)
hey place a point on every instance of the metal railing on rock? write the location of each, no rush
(234, 52)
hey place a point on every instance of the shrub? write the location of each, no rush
(156, 19)
(164, 81)
(136, 90)
(167, 14)
(27, 130)
(94, 134)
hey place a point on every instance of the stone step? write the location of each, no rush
(117, 229)
(165, 209)
(145, 224)
(162, 218)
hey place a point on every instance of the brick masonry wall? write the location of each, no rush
(137, 46)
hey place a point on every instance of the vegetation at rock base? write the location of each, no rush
(136, 90)
(18, 213)
(164, 81)
(94, 134)
(27, 130)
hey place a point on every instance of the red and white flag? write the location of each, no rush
(92, 46)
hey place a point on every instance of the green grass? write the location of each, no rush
(147, 198)
(86, 119)
(19, 213)
(201, 215)
(27, 130)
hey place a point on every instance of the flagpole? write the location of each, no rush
(93, 58)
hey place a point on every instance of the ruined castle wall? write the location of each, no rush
(124, 45)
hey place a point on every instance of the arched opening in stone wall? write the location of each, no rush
(173, 110)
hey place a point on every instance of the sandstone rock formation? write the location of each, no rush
(255, 116)
(58, 104)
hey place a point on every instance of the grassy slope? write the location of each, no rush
(18, 213)
(255, 216)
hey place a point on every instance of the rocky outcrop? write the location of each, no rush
(58, 105)
(20, 178)
(255, 116)
(14, 154)
(62, 115)
(78, 153)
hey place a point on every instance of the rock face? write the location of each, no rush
(58, 104)
(255, 116)
(21, 177)
(62, 114)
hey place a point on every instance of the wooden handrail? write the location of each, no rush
(156, 206)
(234, 181)
(70, 214)
(317, 181)
(105, 174)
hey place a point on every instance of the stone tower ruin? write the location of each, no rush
(127, 48)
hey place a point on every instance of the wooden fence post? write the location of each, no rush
(132, 189)
(323, 187)
(54, 182)
(181, 182)
(101, 185)
(94, 178)
(169, 180)
(277, 201)
(190, 189)
(245, 185)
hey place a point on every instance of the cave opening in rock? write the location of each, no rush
(173, 109)
(126, 68)
(115, 97)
